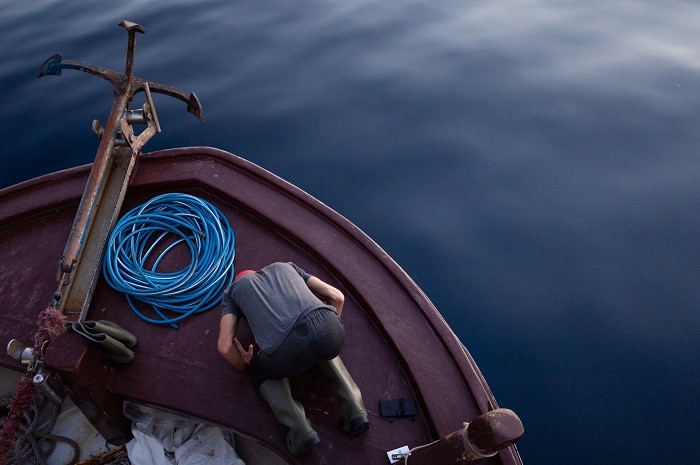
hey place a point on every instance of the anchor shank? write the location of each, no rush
(97, 212)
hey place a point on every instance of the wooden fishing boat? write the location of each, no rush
(397, 344)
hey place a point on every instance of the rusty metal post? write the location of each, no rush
(482, 438)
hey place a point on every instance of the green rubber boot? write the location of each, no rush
(111, 329)
(351, 405)
(301, 436)
(113, 350)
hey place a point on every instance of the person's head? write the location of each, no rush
(243, 273)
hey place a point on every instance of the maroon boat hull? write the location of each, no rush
(397, 344)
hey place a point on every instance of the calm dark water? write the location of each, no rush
(533, 165)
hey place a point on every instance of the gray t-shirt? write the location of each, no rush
(272, 300)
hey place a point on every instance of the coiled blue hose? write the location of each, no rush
(161, 224)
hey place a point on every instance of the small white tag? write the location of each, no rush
(397, 454)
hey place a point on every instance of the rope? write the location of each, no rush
(417, 448)
(162, 224)
(35, 442)
(27, 398)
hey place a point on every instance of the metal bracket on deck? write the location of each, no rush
(146, 116)
(116, 156)
(44, 380)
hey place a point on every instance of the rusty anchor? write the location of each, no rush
(118, 150)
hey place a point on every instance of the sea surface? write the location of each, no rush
(532, 164)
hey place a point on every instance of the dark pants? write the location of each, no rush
(315, 337)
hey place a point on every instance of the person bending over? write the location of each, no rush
(295, 320)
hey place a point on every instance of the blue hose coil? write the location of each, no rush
(161, 224)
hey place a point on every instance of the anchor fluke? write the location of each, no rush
(51, 66)
(193, 104)
(195, 107)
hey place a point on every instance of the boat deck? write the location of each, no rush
(396, 346)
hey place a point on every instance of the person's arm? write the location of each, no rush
(327, 293)
(230, 347)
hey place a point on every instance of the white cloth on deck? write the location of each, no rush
(160, 438)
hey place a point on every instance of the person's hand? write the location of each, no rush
(246, 355)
